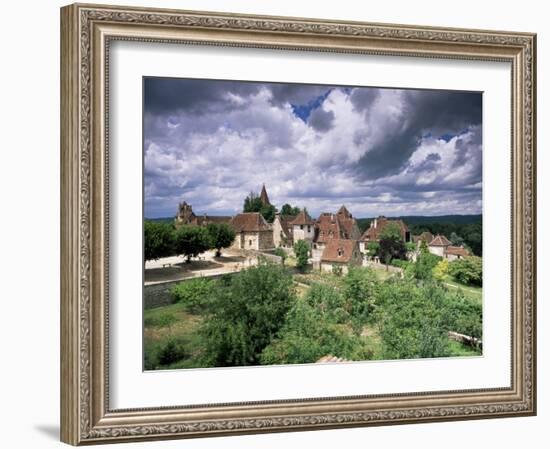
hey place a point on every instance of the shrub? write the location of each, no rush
(468, 271)
(301, 250)
(245, 315)
(424, 265)
(194, 294)
(441, 270)
(281, 253)
(160, 320)
(171, 351)
(360, 292)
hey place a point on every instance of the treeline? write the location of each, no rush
(163, 239)
(255, 318)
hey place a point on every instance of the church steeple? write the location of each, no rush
(263, 196)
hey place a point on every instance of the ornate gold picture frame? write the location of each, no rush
(87, 31)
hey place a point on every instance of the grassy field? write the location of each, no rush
(469, 291)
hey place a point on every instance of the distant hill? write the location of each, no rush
(424, 219)
(161, 219)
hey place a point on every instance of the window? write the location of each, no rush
(340, 252)
(308, 228)
(301, 226)
(250, 243)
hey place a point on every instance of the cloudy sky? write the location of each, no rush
(378, 151)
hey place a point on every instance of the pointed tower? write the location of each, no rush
(264, 197)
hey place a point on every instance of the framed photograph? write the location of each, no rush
(278, 224)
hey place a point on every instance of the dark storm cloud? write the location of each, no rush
(362, 98)
(297, 94)
(168, 95)
(321, 120)
(436, 112)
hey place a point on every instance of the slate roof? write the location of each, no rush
(249, 222)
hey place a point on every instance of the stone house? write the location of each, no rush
(253, 232)
(439, 245)
(282, 231)
(456, 252)
(186, 216)
(340, 253)
(303, 227)
(328, 226)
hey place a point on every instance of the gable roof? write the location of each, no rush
(249, 222)
(343, 212)
(440, 240)
(339, 250)
(458, 251)
(327, 228)
(302, 218)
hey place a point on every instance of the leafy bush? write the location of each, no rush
(245, 315)
(468, 271)
(171, 351)
(400, 263)
(441, 270)
(424, 265)
(309, 334)
(281, 253)
(301, 250)
(360, 292)
(411, 320)
(194, 294)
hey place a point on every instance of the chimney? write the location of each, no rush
(375, 222)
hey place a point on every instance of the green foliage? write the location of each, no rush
(192, 241)
(372, 249)
(441, 270)
(468, 271)
(337, 269)
(360, 291)
(410, 246)
(301, 250)
(287, 209)
(194, 294)
(391, 231)
(158, 240)
(467, 233)
(221, 236)
(171, 351)
(391, 248)
(463, 315)
(425, 263)
(309, 333)
(245, 315)
(281, 253)
(411, 320)
(455, 239)
(253, 203)
(400, 263)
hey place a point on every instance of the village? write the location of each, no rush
(334, 239)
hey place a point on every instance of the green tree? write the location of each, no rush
(425, 263)
(195, 294)
(281, 253)
(455, 239)
(412, 320)
(372, 249)
(391, 231)
(245, 315)
(441, 270)
(468, 270)
(253, 203)
(313, 329)
(158, 240)
(360, 292)
(221, 236)
(287, 209)
(391, 245)
(192, 241)
(301, 250)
